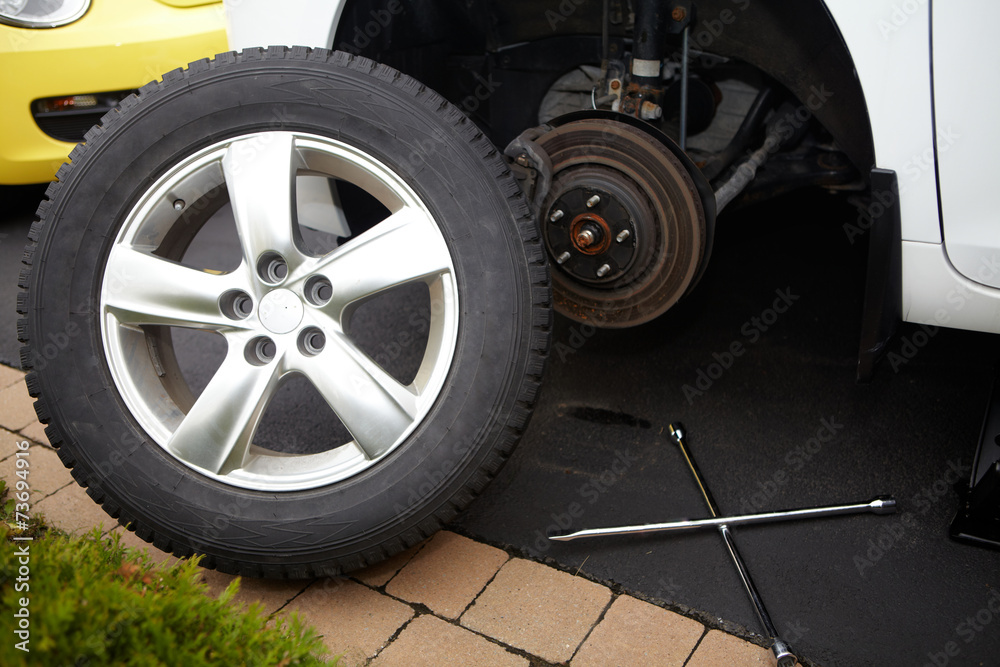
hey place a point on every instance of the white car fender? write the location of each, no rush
(890, 43)
(892, 58)
(251, 23)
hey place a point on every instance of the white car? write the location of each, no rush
(507, 158)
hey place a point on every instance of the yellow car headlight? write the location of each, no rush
(41, 13)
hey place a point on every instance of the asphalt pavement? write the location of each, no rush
(17, 210)
(775, 420)
(759, 363)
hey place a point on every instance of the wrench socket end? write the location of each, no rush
(782, 653)
(883, 505)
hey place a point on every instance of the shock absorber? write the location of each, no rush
(648, 42)
(645, 88)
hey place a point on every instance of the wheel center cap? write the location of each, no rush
(280, 311)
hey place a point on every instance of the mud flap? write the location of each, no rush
(883, 291)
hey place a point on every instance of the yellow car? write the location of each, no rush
(63, 68)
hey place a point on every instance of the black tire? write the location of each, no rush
(458, 444)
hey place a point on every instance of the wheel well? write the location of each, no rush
(497, 58)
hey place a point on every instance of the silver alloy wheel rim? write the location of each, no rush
(288, 330)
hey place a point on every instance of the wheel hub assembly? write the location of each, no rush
(623, 223)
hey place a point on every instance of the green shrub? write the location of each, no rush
(92, 602)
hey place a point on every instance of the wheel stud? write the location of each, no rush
(556, 215)
(593, 201)
(622, 235)
(603, 270)
(561, 259)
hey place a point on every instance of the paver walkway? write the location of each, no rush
(448, 601)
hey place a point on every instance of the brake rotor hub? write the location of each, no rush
(590, 234)
(622, 221)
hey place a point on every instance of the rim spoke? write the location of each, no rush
(260, 176)
(142, 292)
(145, 289)
(403, 248)
(219, 428)
(374, 407)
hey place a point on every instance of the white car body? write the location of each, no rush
(925, 128)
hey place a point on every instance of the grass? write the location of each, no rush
(91, 601)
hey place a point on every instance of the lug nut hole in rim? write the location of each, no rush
(236, 305)
(311, 341)
(261, 351)
(272, 268)
(318, 290)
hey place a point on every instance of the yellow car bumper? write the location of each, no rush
(117, 45)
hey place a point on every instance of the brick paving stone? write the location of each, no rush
(72, 510)
(430, 642)
(216, 581)
(9, 376)
(447, 574)
(634, 633)
(718, 648)
(354, 621)
(273, 594)
(378, 575)
(131, 541)
(538, 609)
(8, 443)
(46, 473)
(16, 407)
(35, 431)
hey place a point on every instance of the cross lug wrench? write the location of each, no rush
(781, 652)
